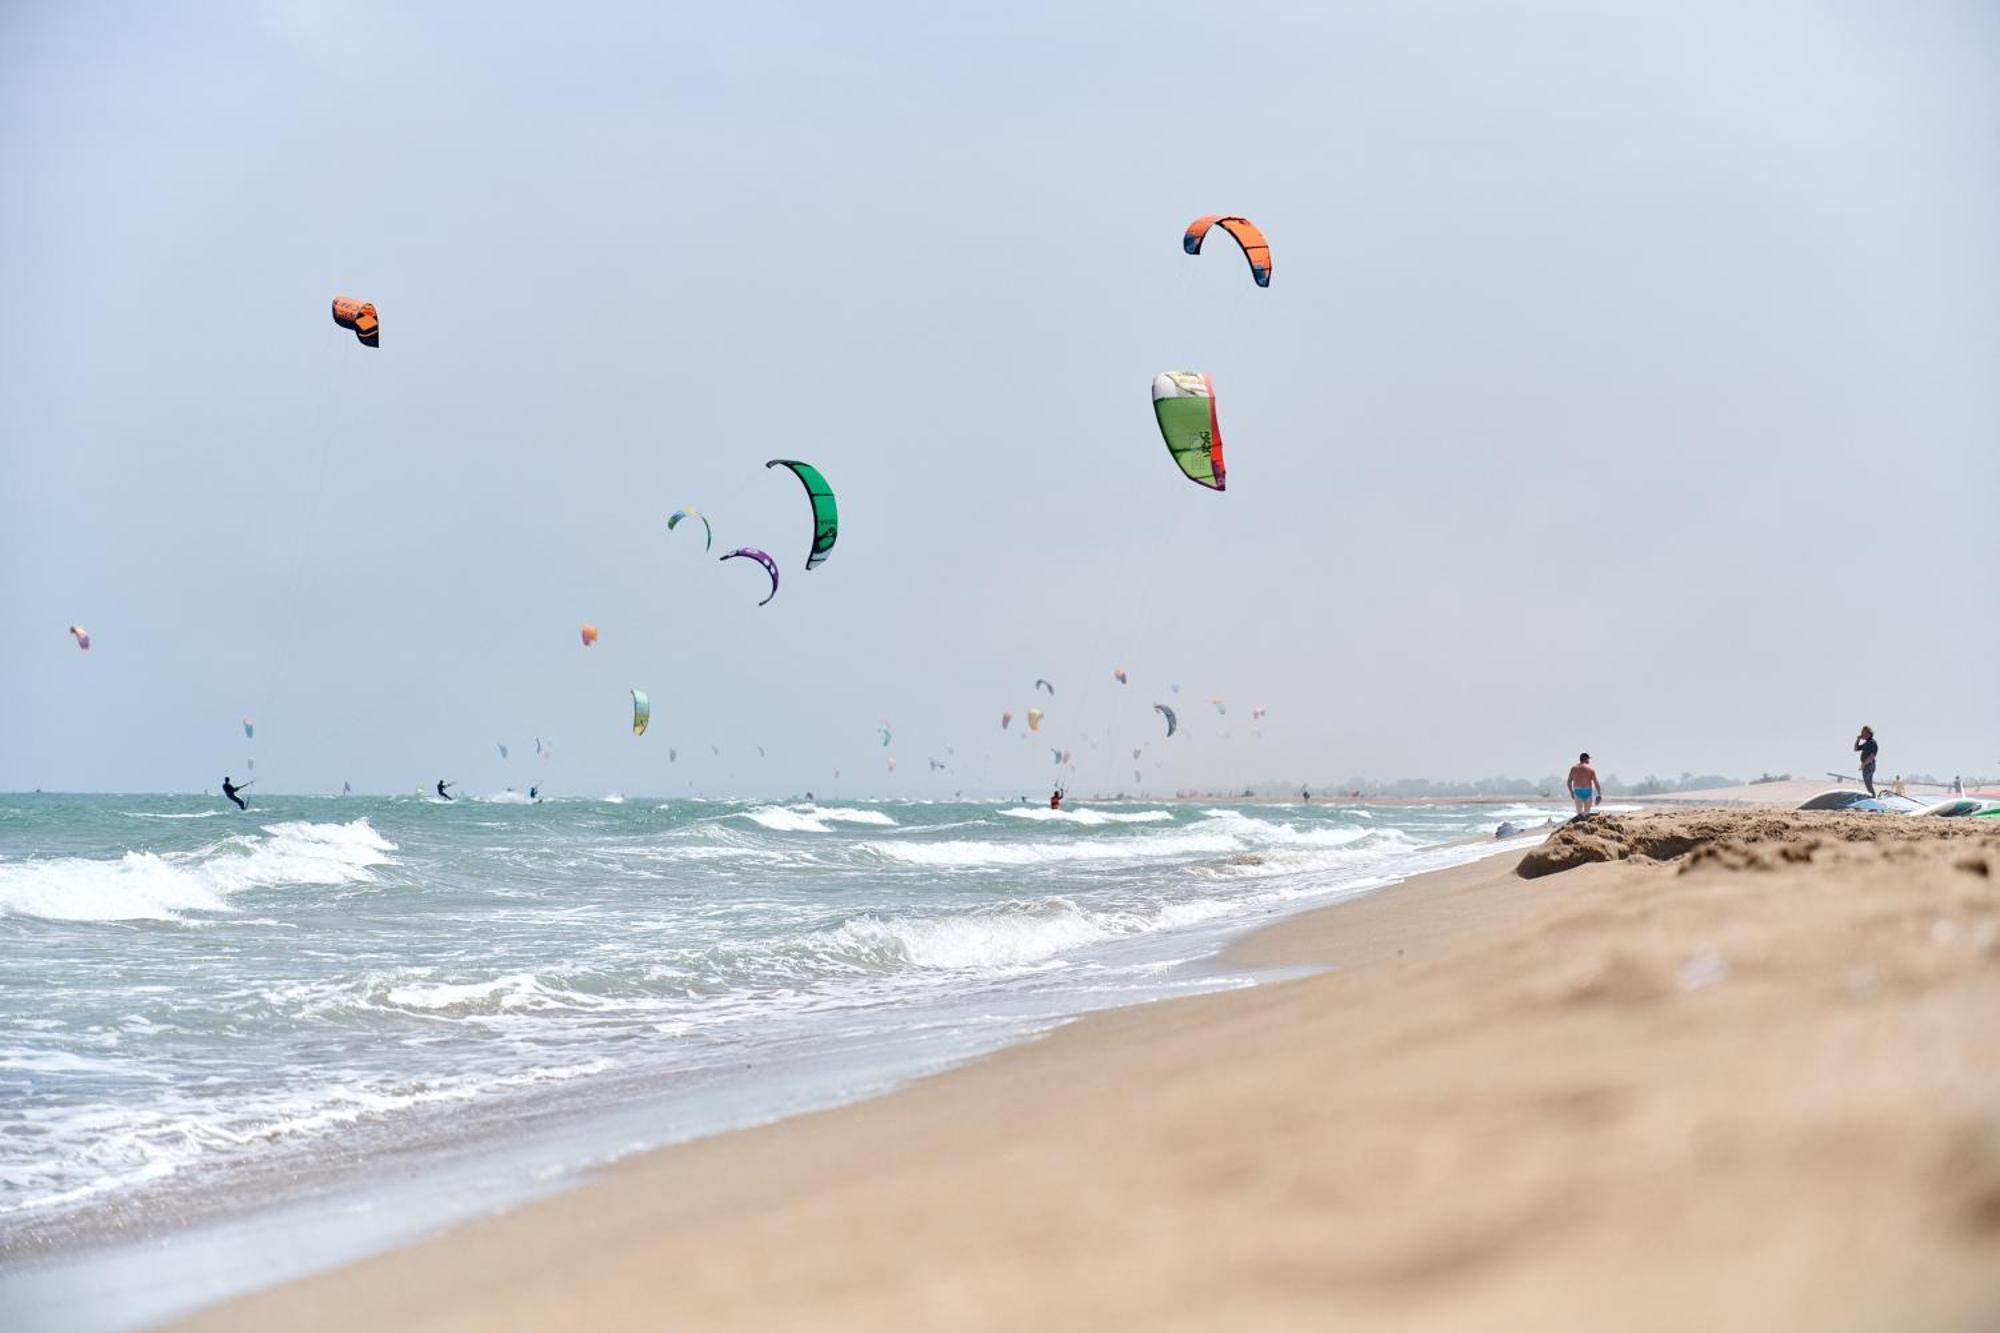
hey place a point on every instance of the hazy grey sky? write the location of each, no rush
(1627, 381)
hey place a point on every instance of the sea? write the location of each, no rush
(237, 1046)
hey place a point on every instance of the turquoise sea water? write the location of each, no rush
(204, 1011)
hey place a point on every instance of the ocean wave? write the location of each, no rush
(965, 854)
(1088, 816)
(1006, 935)
(149, 886)
(188, 814)
(813, 818)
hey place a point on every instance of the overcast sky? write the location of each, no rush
(1626, 382)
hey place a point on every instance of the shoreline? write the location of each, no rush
(143, 1262)
(1621, 1096)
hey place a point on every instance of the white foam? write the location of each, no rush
(813, 818)
(967, 854)
(145, 886)
(1014, 935)
(1043, 814)
(509, 797)
(194, 814)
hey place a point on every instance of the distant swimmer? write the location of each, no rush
(1056, 799)
(1865, 746)
(230, 789)
(1584, 787)
(442, 784)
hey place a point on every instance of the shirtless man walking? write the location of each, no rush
(1584, 787)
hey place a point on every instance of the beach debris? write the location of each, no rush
(679, 514)
(1173, 720)
(1184, 405)
(762, 558)
(359, 316)
(1247, 234)
(82, 637)
(642, 712)
(826, 514)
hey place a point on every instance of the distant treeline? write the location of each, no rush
(1550, 786)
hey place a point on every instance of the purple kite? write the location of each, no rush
(770, 565)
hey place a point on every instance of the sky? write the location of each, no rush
(1625, 383)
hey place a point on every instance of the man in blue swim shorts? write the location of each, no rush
(1583, 786)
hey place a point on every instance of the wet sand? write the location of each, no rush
(1708, 1069)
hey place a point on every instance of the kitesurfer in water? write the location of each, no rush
(442, 784)
(230, 789)
(1055, 799)
(534, 793)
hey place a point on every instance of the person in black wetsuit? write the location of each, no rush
(442, 784)
(230, 789)
(1865, 746)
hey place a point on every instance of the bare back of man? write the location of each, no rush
(1584, 788)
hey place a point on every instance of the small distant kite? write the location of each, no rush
(1034, 719)
(1173, 722)
(762, 558)
(679, 514)
(1257, 713)
(249, 729)
(1044, 685)
(1119, 675)
(503, 750)
(359, 316)
(642, 712)
(826, 514)
(1255, 248)
(885, 735)
(82, 637)
(1184, 405)
(1220, 707)
(589, 635)
(892, 763)
(1005, 718)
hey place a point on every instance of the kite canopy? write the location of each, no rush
(1005, 718)
(589, 635)
(1044, 685)
(826, 515)
(1257, 713)
(359, 316)
(885, 734)
(1034, 719)
(249, 729)
(762, 558)
(1220, 706)
(503, 750)
(1119, 675)
(1255, 248)
(1173, 722)
(642, 712)
(82, 637)
(1184, 405)
(680, 514)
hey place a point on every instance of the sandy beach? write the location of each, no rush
(1702, 1069)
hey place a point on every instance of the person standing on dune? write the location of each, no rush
(1865, 746)
(1584, 788)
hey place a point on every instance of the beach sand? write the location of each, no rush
(1730, 1070)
